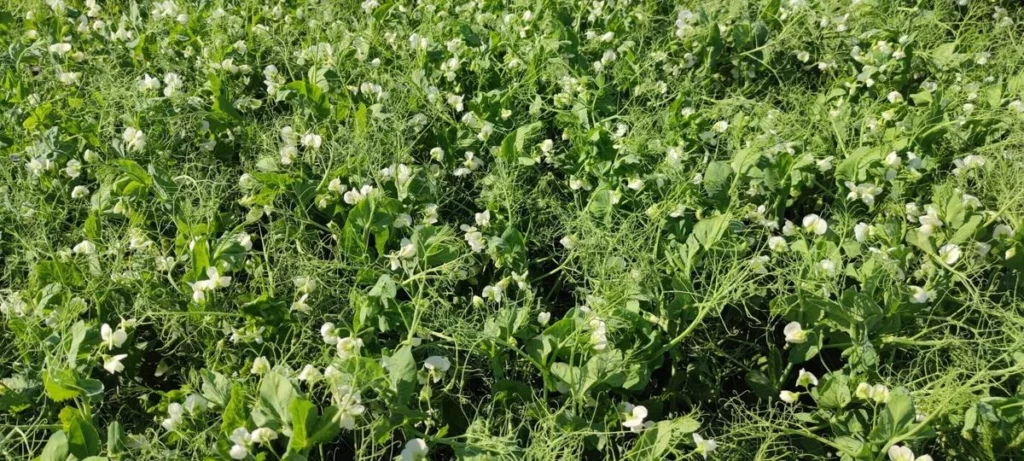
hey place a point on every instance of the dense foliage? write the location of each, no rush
(579, 229)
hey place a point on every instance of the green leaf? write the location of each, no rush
(304, 418)
(56, 448)
(945, 55)
(402, 373)
(276, 395)
(115, 439)
(717, 181)
(92, 226)
(78, 333)
(222, 104)
(83, 439)
(850, 446)
(606, 368)
(833, 391)
(709, 231)
(234, 413)
(216, 388)
(327, 428)
(514, 143)
(359, 122)
(659, 441)
(59, 385)
(895, 419)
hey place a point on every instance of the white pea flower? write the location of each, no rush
(336, 186)
(260, 365)
(918, 295)
(263, 435)
(354, 196)
(242, 440)
(329, 333)
(73, 168)
(704, 446)
(216, 280)
(865, 192)
(968, 163)
(789, 396)
(483, 219)
(827, 266)
(860, 231)
(415, 450)
(311, 141)
(245, 240)
(112, 338)
(777, 244)
(904, 453)
(113, 364)
(795, 333)
(634, 416)
(60, 49)
(134, 138)
(79, 192)
(149, 83)
(543, 318)
(806, 379)
(1001, 231)
(172, 82)
(825, 164)
(474, 238)
(814, 223)
(349, 347)
(949, 253)
(788, 228)
(879, 393)
(310, 374)
(175, 414)
(349, 404)
(895, 97)
(84, 247)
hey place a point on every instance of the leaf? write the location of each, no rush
(221, 101)
(513, 144)
(385, 288)
(833, 391)
(78, 333)
(216, 388)
(83, 439)
(945, 56)
(58, 385)
(709, 231)
(402, 374)
(895, 419)
(717, 182)
(56, 448)
(115, 439)
(966, 231)
(658, 441)
(568, 374)
(276, 394)
(327, 429)
(606, 368)
(852, 447)
(359, 122)
(92, 226)
(234, 415)
(304, 417)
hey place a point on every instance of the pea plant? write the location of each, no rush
(499, 230)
